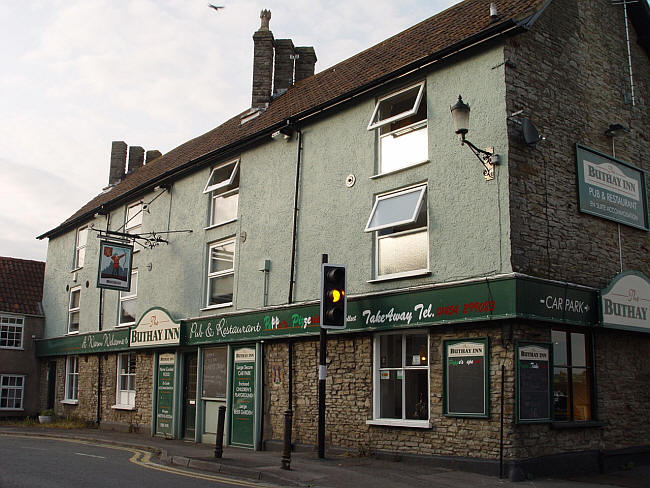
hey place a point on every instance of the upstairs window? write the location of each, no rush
(129, 302)
(73, 310)
(401, 119)
(133, 223)
(399, 220)
(11, 332)
(223, 188)
(80, 247)
(221, 274)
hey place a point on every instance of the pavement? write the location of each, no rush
(337, 470)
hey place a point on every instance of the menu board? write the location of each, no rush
(242, 422)
(465, 377)
(215, 372)
(533, 382)
(165, 403)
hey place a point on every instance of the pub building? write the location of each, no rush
(497, 310)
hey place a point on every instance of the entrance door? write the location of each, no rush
(189, 396)
(51, 384)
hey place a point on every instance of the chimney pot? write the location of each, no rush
(118, 162)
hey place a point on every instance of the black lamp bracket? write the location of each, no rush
(487, 158)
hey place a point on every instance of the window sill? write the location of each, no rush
(124, 326)
(12, 409)
(219, 224)
(392, 172)
(77, 269)
(70, 402)
(215, 307)
(399, 276)
(74, 332)
(9, 348)
(581, 424)
(123, 407)
(416, 424)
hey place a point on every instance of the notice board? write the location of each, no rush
(466, 378)
(165, 397)
(533, 382)
(242, 421)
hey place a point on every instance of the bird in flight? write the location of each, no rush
(216, 7)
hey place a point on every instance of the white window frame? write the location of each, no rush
(9, 388)
(133, 220)
(422, 188)
(376, 395)
(219, 274)
(131, 296)
(128, 373)
(71, 394)
(10, 327)
(80, 248)
(407, 113)
(223, 189)
(71, 309)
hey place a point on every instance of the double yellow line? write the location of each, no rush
(143, 458)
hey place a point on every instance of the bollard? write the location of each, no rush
(286, 451)
(221, 419)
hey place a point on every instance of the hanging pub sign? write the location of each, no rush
(611, 189)
(533, 382)
(466, 379)
(625, 303)
(115, 259)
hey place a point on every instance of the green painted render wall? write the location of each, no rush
(468, 217)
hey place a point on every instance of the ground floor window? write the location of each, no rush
(572, 376)
(126, 379)
(72, 378)
(401, 372)
(11, 391)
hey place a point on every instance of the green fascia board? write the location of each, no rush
(488, 299)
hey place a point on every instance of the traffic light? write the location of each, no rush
(333, 302)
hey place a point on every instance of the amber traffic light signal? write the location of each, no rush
(333, 303)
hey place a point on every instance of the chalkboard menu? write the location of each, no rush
(533, 382)
(215, 372)
(165, 398)
(466, 378)
(242, 421)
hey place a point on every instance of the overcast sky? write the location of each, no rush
(78, 74)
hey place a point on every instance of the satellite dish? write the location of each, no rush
(530, 133)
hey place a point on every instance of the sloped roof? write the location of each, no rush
(438, 36)
(21, 286)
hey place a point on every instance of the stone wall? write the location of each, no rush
(621, 396)
(569, 74)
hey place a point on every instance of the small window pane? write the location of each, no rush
(390, 392)
(416, 388)
(221, 177)
(74, 298)
(578, 351)
(397, 106)
(390, 351)
(224, 207)
(559, 347)
(581, 395)
(222, 257)
(74, 321)
(396, 209)
(401, 253)
(221, 290)
(416, 350)
(400, 150)
(560, 394)
(128, 311)
(134, 218)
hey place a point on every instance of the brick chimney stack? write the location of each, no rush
(306, 62)
(136, 158)
(118, 162)
(262, 62)
(284, 63)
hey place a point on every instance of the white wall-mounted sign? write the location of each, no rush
(625, 303)
(155, 328)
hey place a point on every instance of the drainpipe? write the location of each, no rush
(295, 219)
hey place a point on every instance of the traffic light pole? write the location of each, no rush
(322, 375)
